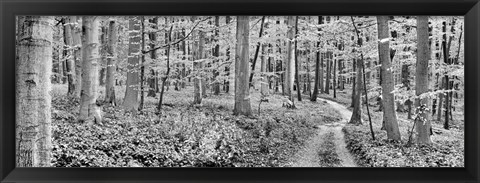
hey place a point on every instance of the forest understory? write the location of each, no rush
(209, 135)
(187, 135)
(446, 151)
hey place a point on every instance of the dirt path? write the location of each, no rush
(309, 155)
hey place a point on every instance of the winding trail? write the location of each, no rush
(308, 155)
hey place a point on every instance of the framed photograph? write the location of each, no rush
(239, 91)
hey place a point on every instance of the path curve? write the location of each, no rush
(308, 155)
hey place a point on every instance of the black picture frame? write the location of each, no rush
(10, 8)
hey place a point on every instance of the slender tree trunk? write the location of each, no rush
(254, 62)
(130, 101)
(33, 101)
(198, 67)
(164, 79)
(242, 95)
(91, 60)
(297, 77)
(389, 115)
(263, 70)
(216, 53)
(334, 79)
(329, 66)
(111, 62)
(421, 81)
(357, 108)
(152, 36)
(142, 65)
(77, 53)
(290, 67)
(322, 57)
(70, 58)
(354, 68)
(317, 76)
(226, 82)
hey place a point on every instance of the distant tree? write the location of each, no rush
(389, 115)
(91, 59)
(421, 81)
(33, 85)
(130, 102)
(242, 89)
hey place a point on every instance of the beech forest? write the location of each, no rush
(240, 91)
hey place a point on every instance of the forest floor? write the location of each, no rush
(187, 135)
(327, 148)
(447, 149)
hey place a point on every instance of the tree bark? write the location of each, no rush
(290, 67)
(152, 36)
(388, 98)
(297, 77)
(70, 58)
(111, 62)
(242, 90)
(91, 59)
(329, 66)
(216, 53)
(226, 82)
(421, 81)
(77, 53)
(130, 101)
(357, 108)
(33, 101)
(142, 64)
(317, 76)
(263, 70)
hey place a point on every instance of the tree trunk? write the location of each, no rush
(357, 95)
(290, 67)
(33, 100)
(354, 68)
(70, 58)
(263, 70)
(77, 53)
(198, 67)
(299, 95)
(421, 81)
(152, 36)
(242, 95)
(130, 101)
(334, 79)
(201, 52)
(91, 59)
(254, 62)
(317, 76)
(329, 66)
(309, 81)
(142, 64)
(216, 53)
(226, 82)
(322, 56)
(111, 62)
(388, 98)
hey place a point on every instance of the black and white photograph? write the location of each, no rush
(239, 91)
